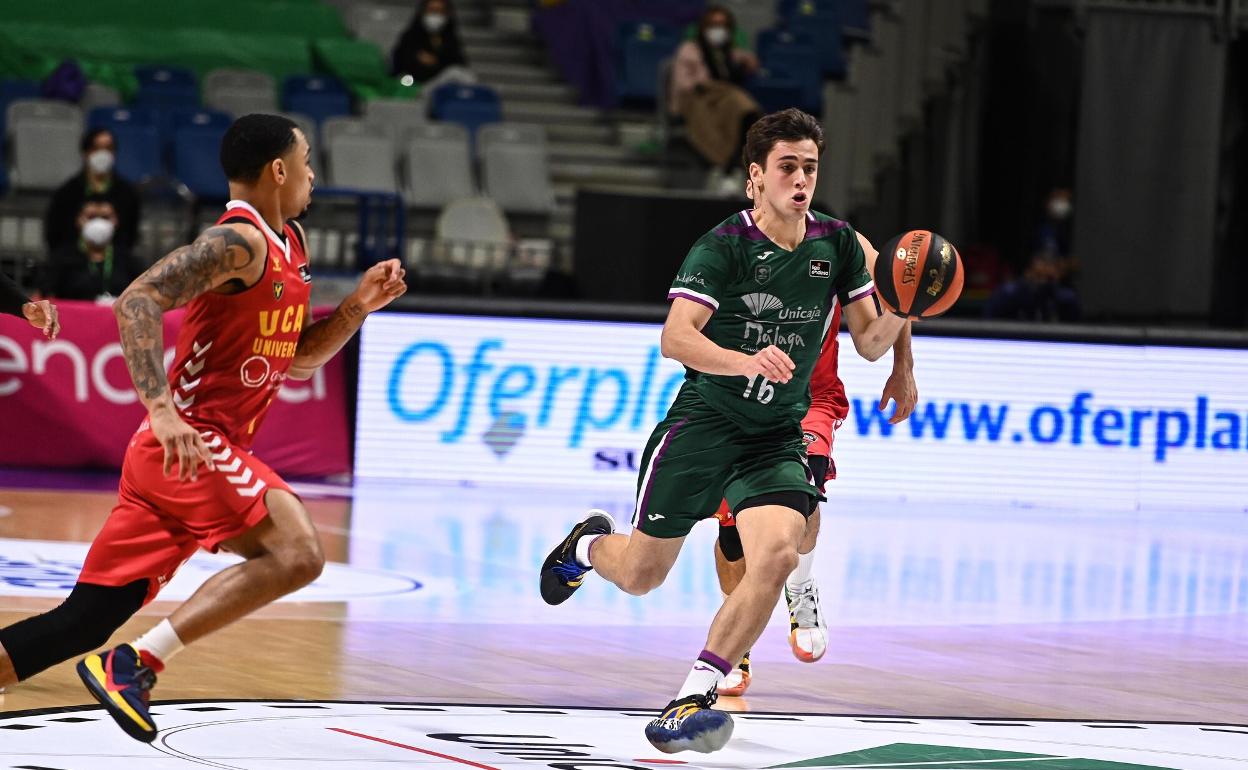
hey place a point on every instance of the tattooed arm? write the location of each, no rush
(379, 286)
(224, 257)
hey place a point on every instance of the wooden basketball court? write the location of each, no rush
(1083, 618)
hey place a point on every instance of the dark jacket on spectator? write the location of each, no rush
(72, 275)
(445, 46)
(60, 224)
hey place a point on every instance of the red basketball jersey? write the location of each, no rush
(827, 391)
(234, 350)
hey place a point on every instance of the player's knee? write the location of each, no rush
(306, 564)
(773, 563)
(302, 562)
(641, 582)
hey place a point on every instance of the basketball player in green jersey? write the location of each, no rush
(751, 306)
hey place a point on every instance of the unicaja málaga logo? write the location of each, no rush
(760, 303)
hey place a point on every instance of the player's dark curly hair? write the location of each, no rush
(252, 142)
(791, 125)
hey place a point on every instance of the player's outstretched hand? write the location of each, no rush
(772, 363)
(180, 441)
(42, 315)
(900, 388)
(381, 284)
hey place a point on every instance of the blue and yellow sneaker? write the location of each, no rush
(690, 724)
(561, 573)
(120, 681)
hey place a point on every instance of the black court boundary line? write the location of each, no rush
(8, 715)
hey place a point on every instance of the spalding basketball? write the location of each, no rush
(918, 274)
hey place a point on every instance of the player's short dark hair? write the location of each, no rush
(791, 125)
(254, 141)
(89, 138)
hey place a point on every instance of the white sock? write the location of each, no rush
(801, 574)
(582, 549)
(705, 675)
(162, 642)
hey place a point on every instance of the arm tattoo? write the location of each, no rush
(320, 341)
(218, 254)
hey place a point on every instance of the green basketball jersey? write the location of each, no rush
(762, 295)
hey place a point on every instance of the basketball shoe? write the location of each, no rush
(808, 632)
(690, 724)
(562, 574)
(737, 681)
(122, 683)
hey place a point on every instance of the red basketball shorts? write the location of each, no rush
(159, 522)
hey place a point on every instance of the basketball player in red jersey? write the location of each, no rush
(245, 283)
(828, 409)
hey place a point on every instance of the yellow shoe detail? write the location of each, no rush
(95, 665)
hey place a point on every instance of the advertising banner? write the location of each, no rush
(69, 402)
(571, 403)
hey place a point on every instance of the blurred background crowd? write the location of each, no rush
(1089, 157)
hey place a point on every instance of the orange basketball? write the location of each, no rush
(918, 274)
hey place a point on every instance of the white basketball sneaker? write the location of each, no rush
(808, 633)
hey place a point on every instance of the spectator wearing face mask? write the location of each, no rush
(1053, 236)
(430, 44)
(94, 266)
(708, 76)
(98, 181)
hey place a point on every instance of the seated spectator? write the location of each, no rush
(1053, 236)
(96, 182)
(708, 76)
(1038, 295)
(430, 44)
(93, 266)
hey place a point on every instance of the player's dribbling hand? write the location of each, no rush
(772, 363)
(381, 284)
(42, 315)
(181, 441)
(900, 388)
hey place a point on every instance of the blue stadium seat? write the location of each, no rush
(11, 90)
(824, 27)
(855, 20)
(469, 106)
(641, 48)
(318, 97)
(166, 87)
(196, 160)
(776, 92)
(139, 139)
(199, 117)
(794, 55)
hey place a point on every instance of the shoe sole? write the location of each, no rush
(799, 653)
(105, 699)
(704, 743)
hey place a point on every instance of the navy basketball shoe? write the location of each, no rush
(122, 684)
(690, 724)
(561, 573)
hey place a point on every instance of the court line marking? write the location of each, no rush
(467, 762)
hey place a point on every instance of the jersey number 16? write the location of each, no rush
(765, 393)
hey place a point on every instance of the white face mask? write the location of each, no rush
(100, 161)
(434, 22)
(717, 36)
(98, 231)
(1059, 208)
